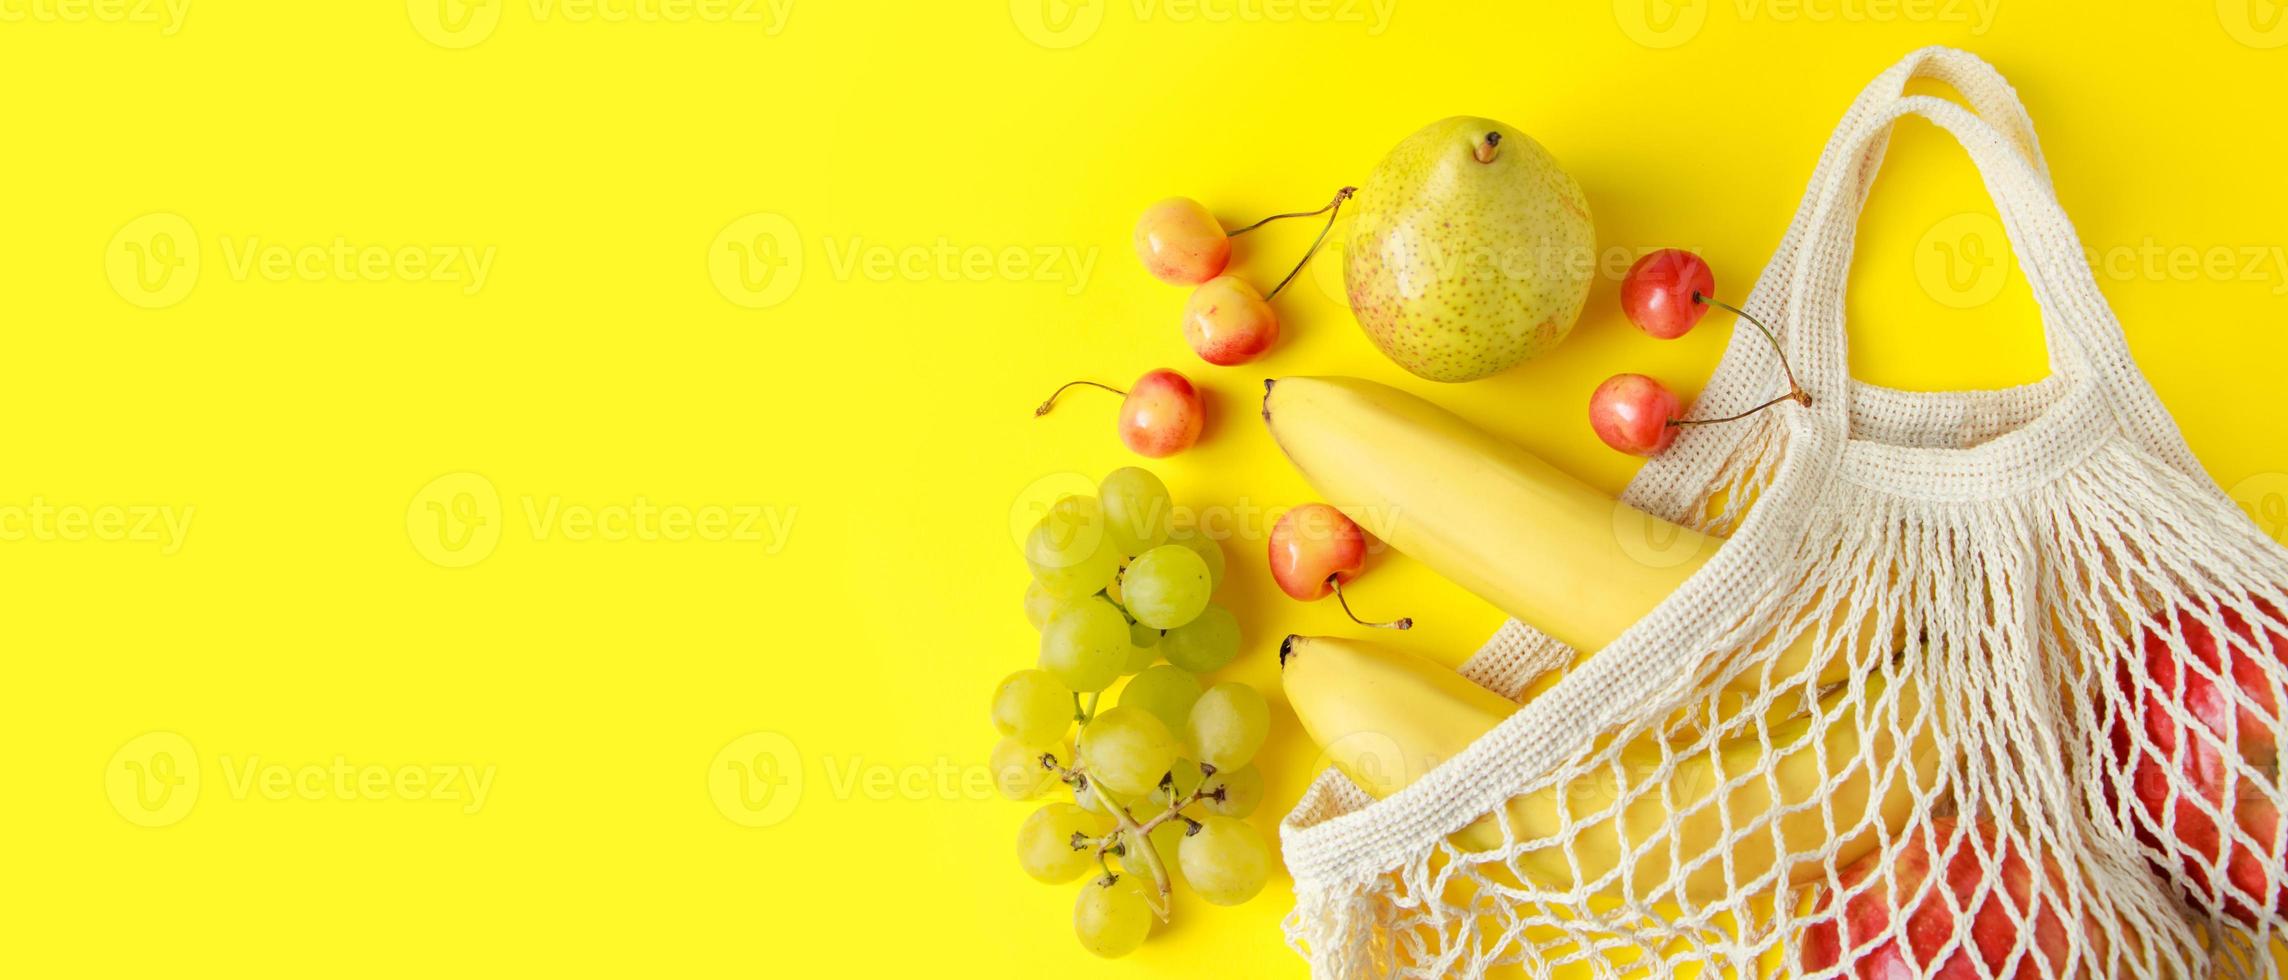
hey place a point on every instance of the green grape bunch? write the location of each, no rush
(1162, 779)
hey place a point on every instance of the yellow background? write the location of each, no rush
(883, 415)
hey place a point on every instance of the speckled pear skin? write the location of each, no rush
(1459, 269)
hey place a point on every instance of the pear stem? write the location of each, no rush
(1488, 148)
(1333, 208)
(1059, 393)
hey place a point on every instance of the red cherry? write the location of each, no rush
(1314, 550)
(1312, 547)
(1160, 415)
(1180, 243)
(1633, 414)
(1663, 291)
(1228, 322)
(2184, 779)
(1981, 859)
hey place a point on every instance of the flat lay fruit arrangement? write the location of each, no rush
(1147, 763)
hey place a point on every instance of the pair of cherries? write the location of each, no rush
(1226, 321)
(1665, 295)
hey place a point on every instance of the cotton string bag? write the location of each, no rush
(2005, 592)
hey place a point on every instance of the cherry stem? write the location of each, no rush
(1401, 623)
(1339, 196)
(1052, 402)
(1793, 396)
(1332, 209)
(1795, 391)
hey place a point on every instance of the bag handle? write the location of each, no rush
(2082, 336)
(1749, 373)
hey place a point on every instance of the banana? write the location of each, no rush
(1385, 718)
(1493, 518)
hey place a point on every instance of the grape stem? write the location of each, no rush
(1075, 776)
(1059, 393)
(1161, 889)
(1175, 810)
(1401, 623)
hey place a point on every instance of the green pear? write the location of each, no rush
(1470, 251)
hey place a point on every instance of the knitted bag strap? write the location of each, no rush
(1671, 484)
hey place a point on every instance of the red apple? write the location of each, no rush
(2187, 780)
(1986, 925)
(1162, 414)
(1661, 294)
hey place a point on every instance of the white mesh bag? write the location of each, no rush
(2047, 664)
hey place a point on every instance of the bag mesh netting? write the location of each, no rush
(1987, 682)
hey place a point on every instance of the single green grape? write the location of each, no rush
(1070, 553)
(1127, 749)
(1205, 547)
(1205, 644)
(1112, 916)
(1225, 860)
(1017, 770)
(1044, 843)
(1242, 791)
(1085, 645)
(1143, 637)
(1166, 587)
(1040, 604)
(1142, 640)
(1137, 509)
(1033, 706)
(1139, 658)
(1166, 839)
(1165, 691)
(1227, 725)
